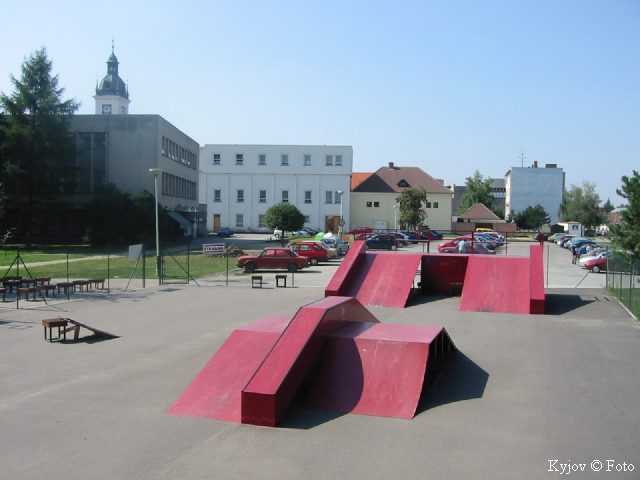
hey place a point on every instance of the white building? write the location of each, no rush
(529, 186)
(238, 183)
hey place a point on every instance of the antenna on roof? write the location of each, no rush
(522, 157)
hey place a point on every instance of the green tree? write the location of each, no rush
(285, 217)
(532, 217)
(411, 201)
(627, 234)
(37, 153)
(478, 191)
(608, 206)
(582, 204)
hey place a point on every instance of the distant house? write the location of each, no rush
(373, 197)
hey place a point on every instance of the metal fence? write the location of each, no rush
(623, 280)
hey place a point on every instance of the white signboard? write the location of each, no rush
(134, 252)
(213, 248)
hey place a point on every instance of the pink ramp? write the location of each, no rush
(496, 284)
(215, 392)
(537, 280)
(270, 391)
(381, 279)
(378, 369)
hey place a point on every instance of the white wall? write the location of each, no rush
(527, 187)
(273, 177)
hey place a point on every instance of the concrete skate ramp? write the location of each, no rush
(215, 392)
(271, 389)
(496, 284)
(378, 369)
(380, 279)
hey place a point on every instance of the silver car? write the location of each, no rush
(339, 244)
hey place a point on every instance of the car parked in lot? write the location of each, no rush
(225, 232)
(381, 241)
(339, 244)
(599, 254)
(312, 250)
(597, 265)
(428, 234)
(479, 248)
(564, 240)
(360, 230)
(272, 258)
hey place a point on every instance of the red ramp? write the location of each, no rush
(378, 369)
(381, 279)
(215, 392)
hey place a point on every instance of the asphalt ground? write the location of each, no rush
(522, 392)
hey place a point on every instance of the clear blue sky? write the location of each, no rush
(449, 86)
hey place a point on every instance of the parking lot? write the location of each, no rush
(523, 391)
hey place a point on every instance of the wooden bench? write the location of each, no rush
(66, 286)
(94, 282)
(28, 282)
(55, 322)
(81, 284)
(256, 281)
(26, 291)
(46, 289)
(11, 283)
(284, 280)
(42, 280)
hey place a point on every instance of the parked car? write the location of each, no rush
(401, 240)
(311, 250)
(583, 247)
(310, 231)
(273, 258)
(225, 232)
(585, 258)
(360, 230)
(339, 244)
(564, 240)
(428, 234)
(597, 264)
(574, 241)
(479, 248)
(381, 241)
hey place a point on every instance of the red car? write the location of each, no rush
(360, 230)
(311, 250)
(597, 264)
(452, 247)
(273, 258)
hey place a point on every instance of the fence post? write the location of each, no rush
(144, 268)
(108, 271)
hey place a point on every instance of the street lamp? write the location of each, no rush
(156, 172)
(340, 192)
(395, 216)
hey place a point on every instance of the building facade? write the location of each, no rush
(497, 192)
(238, 183)
(373, 199)
(529, 186)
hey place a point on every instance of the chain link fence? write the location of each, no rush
(623, 280)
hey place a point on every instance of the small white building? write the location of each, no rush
(238, 183)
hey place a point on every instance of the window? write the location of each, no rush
(263, 196)
(307, 160)
(285, 196)
(307, 196)
(261, 221)
(239, 159)
(216, 196)
(216, 159)
(376, 204)
(329, 161)
(239, 220)
(306, 219)
(285, 160)
(240, 196)
(435, 204)
(338, 160)
(262, 159)
(338, 197)
(369, 204)
(428, 205)
(328, 197)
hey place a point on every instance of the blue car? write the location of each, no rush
(225, 232)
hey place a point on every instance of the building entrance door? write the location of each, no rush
(216, 222)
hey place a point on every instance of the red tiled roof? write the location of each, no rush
(479, 211)
(357, 178)
(398, 179)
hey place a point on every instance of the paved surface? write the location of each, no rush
(524, 390)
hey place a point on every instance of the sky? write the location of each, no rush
(450, 86)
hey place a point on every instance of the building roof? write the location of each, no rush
(394, 179)
(357, 178)
(479, 211)
(112, 84)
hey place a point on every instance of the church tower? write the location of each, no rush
(112, 95)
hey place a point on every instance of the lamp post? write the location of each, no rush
(340, 192)
(395, 216)
(156, 172)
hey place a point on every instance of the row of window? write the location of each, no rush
(329, 160)
(175, 152)
(173, 186)
(427, 205)
(261, 220)
(329, 196)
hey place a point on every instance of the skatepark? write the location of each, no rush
(521, 391)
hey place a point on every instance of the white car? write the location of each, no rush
(337, 243)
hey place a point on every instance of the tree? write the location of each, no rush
(37, 153)
(532, 217)
(411, 201)
(608, 206)
(627, 234)
(582, 205)
(478, 191)
(285, 217)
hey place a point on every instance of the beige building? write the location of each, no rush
(373, 197)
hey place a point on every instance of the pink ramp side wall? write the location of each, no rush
(537, 301)
(270, 391)
(347, 268)
(215, 391)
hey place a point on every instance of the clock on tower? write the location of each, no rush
(106, 109)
